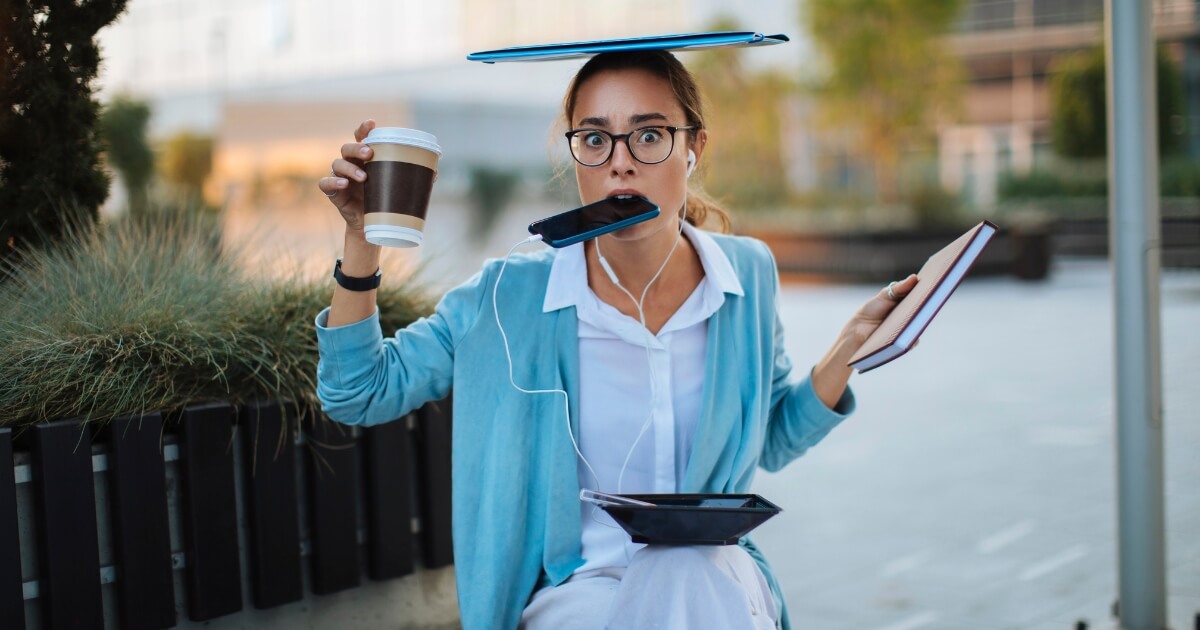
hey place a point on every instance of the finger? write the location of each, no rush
(364, 129)
(356, 152)
(902, 288)
(331, 186)
(349, 170)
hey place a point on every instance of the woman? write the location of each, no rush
(689, 394)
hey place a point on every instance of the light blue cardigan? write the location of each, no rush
(515, 490)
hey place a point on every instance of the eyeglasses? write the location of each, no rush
(648, 145)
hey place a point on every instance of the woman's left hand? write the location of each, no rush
(831, 374)
(870, 315)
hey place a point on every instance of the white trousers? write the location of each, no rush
(665, 588)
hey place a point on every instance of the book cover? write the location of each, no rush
(936, 281)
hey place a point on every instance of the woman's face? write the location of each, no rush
(619, 101)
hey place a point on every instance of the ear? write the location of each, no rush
(698, 146)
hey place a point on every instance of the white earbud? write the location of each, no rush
(691, 162)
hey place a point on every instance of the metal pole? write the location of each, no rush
(1136, 251)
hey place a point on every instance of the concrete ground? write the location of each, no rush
(974, 487)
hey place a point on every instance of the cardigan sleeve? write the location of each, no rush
(798, 419)
(365, 379)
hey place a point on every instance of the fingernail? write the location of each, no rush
(360, 174)
(364, 150)
(341, 182)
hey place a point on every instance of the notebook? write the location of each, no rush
(937, 279)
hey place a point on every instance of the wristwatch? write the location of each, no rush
(355, 284)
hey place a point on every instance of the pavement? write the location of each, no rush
(974, 487)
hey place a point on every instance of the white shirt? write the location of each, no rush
(615, 389)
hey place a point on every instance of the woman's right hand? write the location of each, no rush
(344, 185)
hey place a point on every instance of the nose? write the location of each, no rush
(622, 161)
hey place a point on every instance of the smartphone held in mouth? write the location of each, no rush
(592, 220)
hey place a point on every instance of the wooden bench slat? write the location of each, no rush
(333, 467)
(210, 528)
(12, 600)
(434, 432)
(389, 501)
(69, 546)
(141, 524)
(269, 479)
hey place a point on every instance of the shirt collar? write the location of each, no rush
(567, 285)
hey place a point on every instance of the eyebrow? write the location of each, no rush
(600, 121)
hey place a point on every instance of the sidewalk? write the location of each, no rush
(974, 488)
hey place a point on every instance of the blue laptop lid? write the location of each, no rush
(684, 41)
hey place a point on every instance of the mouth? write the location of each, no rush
(624, 194)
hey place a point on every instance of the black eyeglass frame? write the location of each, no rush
(625, 136)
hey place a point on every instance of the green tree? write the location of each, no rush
(744, 117)
(889, 74)
(1078, 119)
(49, 150)
(187, 161)
(123, 130)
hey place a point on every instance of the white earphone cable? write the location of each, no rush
(639, 303)
(504, 337)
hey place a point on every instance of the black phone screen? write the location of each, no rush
(591, 220)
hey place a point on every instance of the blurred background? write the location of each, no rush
(975, 485)
(928, 114)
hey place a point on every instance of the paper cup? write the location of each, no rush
(400, 178)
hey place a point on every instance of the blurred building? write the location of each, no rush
(1008, 48)
(281, 84)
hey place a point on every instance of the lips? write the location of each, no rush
(624, 193)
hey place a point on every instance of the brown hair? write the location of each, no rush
(664, 65)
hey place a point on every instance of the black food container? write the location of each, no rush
(691, 519)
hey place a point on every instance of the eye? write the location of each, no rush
(649, 135)
(594, 139)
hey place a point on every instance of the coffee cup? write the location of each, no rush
(400, 177)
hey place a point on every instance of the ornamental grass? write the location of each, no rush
(152, 315)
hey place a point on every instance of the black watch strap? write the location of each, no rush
(351, 283)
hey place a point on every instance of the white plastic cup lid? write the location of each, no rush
(393, 236)
(402, 135)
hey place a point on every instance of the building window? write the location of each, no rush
(988, 15)
(1058, 12)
